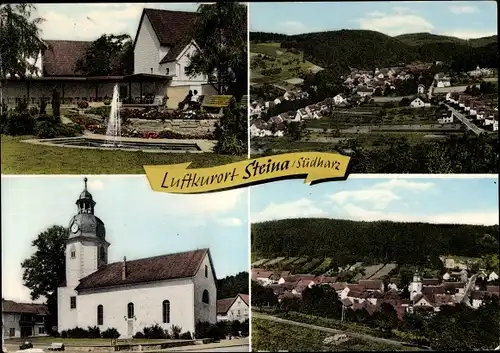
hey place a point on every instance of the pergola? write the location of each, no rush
(141, 79)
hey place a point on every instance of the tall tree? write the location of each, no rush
(231, 286)
(45, 270)
(19, 41)
(108, 55)
(221, 32)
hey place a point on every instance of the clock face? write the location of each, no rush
(74, 228)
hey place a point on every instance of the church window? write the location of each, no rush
(73, 252)
(205, 297)
(206, 271)
(130, 310)
(72, 303)
(100, 315)
(166, 311)
(168, 71)
(102, 254)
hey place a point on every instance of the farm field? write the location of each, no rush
(269, 57)
(259, 262)
(371, 270)
(275, 261)
(384, 271)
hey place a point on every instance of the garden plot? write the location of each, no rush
(371, 270)
(259, 262)
(274, 261)
(289, 261)
(325, 265)
(353, 267)
(311, 265)
(384, 271)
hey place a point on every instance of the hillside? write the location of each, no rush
(381, 241)
(343, 49)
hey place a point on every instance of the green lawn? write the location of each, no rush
(275, 336)
(24, 158)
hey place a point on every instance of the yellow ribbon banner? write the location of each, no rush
(315, 167)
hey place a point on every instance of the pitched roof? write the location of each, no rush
(170, 27)
(223, 305)
(371, 284)
(10, 306)
(158, 268)
(60, 58)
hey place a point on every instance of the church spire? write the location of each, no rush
(85, 202)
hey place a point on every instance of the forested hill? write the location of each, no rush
(365, 49)
(365, 241)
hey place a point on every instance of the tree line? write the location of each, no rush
(344, 49)
(349, 241)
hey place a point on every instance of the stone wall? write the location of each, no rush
(183, 126)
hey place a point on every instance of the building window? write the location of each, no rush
(100, 315)
(72, 302)
(41, 330)
(73, 252)
(151, 70)
(12, 332)
(186, 70)
(239, 312)
(205, 297)
(166, 311)
(102, 254)
(130, 310)
(168, 71)
(206, 271)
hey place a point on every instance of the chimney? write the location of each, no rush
(124, 269)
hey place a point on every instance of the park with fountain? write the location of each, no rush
(111, 137)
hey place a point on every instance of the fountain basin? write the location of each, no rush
(92, 141)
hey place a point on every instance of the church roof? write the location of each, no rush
(223, 305)
(151, 269)
(10, 306)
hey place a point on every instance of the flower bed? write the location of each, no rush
(155, 114)
(165, 134)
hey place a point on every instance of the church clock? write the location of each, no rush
(74, 228)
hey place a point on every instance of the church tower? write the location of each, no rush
(87, 248)
(415, 287)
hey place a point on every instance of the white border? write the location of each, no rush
(249, 223)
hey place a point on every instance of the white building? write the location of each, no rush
(230, 309)
(420, 89)
(174, 289)
(417, 103)
(339, 99)
(415, 287)
(23, 320)
(161, 55)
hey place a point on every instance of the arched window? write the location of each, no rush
(166, 312)
(130, 310)
(102, 253)
(205, 298)
(100, 315)
(72, 252)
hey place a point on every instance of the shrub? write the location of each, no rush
(94, 332)
(270, 72)
(208, 330)
(110, 333)
(155, 332)
(82, 104)
(107, 102)
(17, 124)
(55, 334)
(175, 331)
(186, 336)
(138, 334)
(21, 106)
(64, 334)
(78, 332)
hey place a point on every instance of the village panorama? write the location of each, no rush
(364, 267)
(413, 103)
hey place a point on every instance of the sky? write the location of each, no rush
(89, 21)
(139, 222)
(463, 19)
(408, 199)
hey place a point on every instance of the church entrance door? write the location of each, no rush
(130, 328)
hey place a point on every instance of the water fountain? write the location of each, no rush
(114, 129)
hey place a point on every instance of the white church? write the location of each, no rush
(173, 289)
